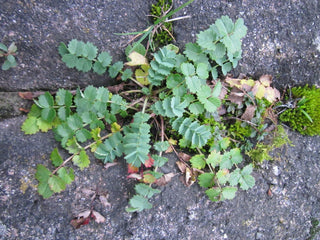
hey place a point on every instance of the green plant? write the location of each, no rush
(8, 54)
(301, 110)
(171, 95)
(261, 151)
(164, 35)
(159, 25)
(224, 174)
(314, 229)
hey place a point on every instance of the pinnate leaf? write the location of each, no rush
(138, 203)
(206, 180)
(30, 126)
(48, 114)
(214, 194)
(55, 158)
(115, 69)
(64, 97)
(198, 161)
(145, 190)
(91, 50)
(188, 69)
(43, 175)
(105, 59)
(56, 184)
(229, 192)
(81, 160)
(161, 146)
(45, 100)
(66, 175)
(196, 108)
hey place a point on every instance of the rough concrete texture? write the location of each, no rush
(283, 40)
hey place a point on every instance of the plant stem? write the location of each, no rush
(145, 104)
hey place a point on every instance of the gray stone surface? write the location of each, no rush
(283, 40)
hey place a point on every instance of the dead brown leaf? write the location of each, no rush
(108, 165)
(165, 179)
(116, 88)
(249, 113)
(182, 166)
(185, 157)
(135, 176)
(266, 80)
(190, 177)
(236, 96)
(104, 200)
(88, 192)
(30, 95)
(98, 217)
(81, 219)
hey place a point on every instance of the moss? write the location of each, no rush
(239, 132)
(162, 37)
(305, 116)
(261, 151)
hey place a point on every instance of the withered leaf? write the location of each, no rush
(30, 95)
(248, 113)
(88, 192)
(116, 88)
(81, 219)
(272, 94)
(236, 96)
(135, 176)
(182, 166)
(185, 157)
(104, 200)
(108, 165)
(98, 217)
(258, 90)
(190, 177)
(266, 80)
(137, 59)
(165, 179)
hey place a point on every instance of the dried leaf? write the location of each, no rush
(272, 94)
(116, 88)
(190, 177)
(104, 200)
(136, 59)
(236, 96)
(87, 192)
(266, 80)
(165, 179)
(258, 90)
(98, 217)
(108, 165)
(24, 110)
(182, 166)
(233, 82)
(248, 113)
(135, 176)
(78, 222)
(185, 157)
(169, 150)
(30, 95)
(81, 219)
